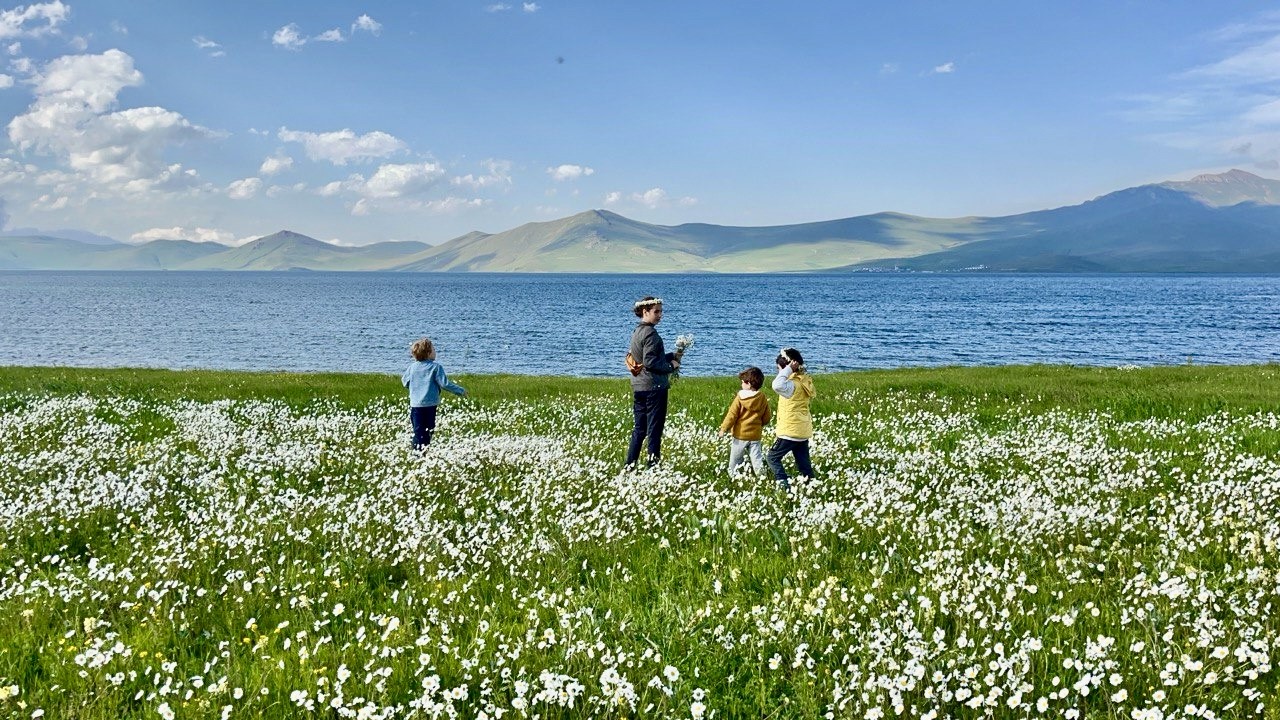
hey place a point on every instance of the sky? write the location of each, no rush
(364, 122)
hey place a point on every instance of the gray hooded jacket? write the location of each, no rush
(647, 349)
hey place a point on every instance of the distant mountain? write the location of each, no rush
(1190, 226)
(68, 234)
(1228, 222)
(602, 241)
(281, 251)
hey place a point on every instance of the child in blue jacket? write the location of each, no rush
(425, 378)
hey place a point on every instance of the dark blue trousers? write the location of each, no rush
(650, 407)
(779, 450)
(424, 423)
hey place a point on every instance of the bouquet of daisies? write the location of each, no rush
(683, 342)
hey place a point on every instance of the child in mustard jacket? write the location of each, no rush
(746, 418)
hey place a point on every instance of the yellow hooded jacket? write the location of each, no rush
(794, 418)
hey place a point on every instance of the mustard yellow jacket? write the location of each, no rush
(746, 416)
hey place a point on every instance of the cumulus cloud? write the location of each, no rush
(398, 181)
(613, 198)
(561, 173)
(399, 187)
(275, 164)
(366, 24)
(72, 119)
(14, 48)
(33, 20)
(204, 43)
(6, 81)
(244, 189)
(497, 174)
(289, 37)
(343, 146)
(497, 7)
(532, 7)
(945, 68)
(196, 234)
(334, 35)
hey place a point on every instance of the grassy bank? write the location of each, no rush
(980, 542)
(1135, 393)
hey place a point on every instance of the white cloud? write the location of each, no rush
(122, 151)
(50, 202)
(497, 7)
(652, 197)
(562, 173)
(275, 164)
(889, 68)
(79, 43)
(1229, 107)
(119, 28)
(93, 81)
(497, 174)
(196, 234)
(14, 48)
(33, 20)
(945, 68)
(367, 24)
(399, 187)
(398, 181)
(6, 81)
(244, 189)
(334, 35)
(532, 7)
(204, 43)
(289, 37)
(343, 146)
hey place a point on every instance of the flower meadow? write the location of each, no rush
(248, 557)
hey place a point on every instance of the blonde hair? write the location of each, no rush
(423, 349)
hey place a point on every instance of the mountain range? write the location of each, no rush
(1228, 222)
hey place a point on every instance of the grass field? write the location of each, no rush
(980, 542)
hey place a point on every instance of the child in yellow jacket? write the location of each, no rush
(746, 418)
(795, 423)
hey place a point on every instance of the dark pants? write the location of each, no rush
(799, 448)
(424, 423)
(650, 408)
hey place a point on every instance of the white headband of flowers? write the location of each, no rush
(786, 355)
(647, 303)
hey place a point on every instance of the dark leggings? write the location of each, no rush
(650, 408)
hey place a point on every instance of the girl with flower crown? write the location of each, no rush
(795, 423)
(650, 381)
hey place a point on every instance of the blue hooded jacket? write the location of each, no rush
(425, 378)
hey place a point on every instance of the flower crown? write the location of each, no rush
(646, 303)
(786, 355)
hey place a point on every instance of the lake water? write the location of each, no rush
(580, 324)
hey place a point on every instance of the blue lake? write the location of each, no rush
(580, 324)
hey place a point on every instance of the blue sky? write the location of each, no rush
(361, 122)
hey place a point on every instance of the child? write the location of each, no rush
(425, 378)
(747, 416)
(795, 423)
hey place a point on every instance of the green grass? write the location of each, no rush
(207, 531)
(1145, 392)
